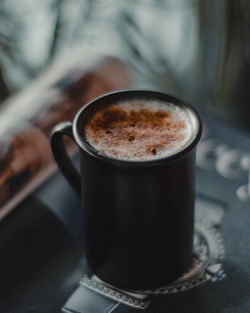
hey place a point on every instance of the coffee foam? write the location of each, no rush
(139, 130)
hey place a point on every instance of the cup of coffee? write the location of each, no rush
(136, 183)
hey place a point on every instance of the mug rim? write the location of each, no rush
(136, 93)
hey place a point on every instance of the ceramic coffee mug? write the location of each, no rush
(138, 215)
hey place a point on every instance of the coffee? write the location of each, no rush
(139, 129)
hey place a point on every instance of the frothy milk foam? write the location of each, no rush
(139, 129)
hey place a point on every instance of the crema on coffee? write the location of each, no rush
(139, 130)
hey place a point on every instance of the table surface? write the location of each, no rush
(41, 240)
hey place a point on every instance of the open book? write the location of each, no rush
(27, 119)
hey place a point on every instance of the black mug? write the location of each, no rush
(138, 215)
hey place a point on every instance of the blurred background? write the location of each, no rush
(198, 50)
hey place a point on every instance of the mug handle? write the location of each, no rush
(61, 156)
